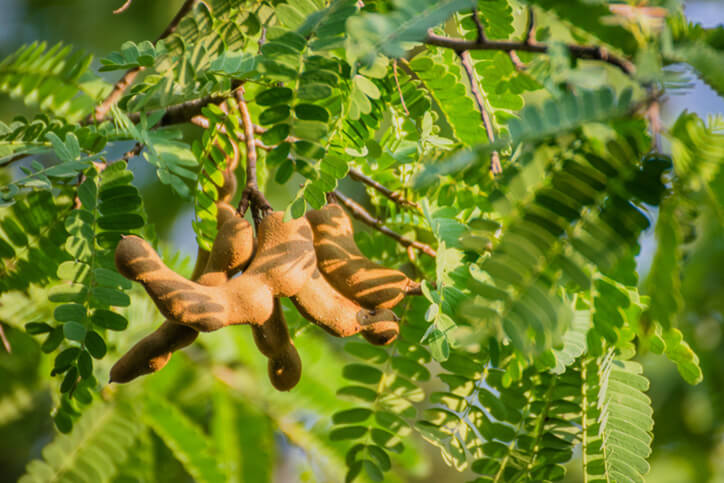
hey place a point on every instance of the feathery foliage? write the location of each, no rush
(518, 357)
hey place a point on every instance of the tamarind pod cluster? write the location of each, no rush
(272, 339)
(347, 269)
(231, 251)
(283, 262)
(313, 260)
(321, 304)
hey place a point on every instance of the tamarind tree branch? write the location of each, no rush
(251, 196)
(467, 64)
(365, 217)
(395, 196)
(122, 84)
(176, 114)
(588, 52)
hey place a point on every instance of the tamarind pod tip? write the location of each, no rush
(285, 370)
(381, 333)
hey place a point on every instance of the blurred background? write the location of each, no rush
(689, 429)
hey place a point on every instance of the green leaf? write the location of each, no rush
(362, 373)
(109, 320)
(185, 439)
(75, 456)
(350, 416)
(95, 344)
(74, 331)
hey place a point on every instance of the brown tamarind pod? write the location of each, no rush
(226, 191)
(321, 304)
(281, 266)
(284, 257)
(232, 249)
(272, 339)
(347, 269)
(200, 307)
(153, 352)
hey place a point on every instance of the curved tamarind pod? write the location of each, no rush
(232, 249)
(226, 191)
(153, 352)
(272, 339)
(347, 269)
(321, 304)
(200, 307)
(282, 264)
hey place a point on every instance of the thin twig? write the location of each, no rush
(578, 51)
(479, 26)
(365, 217)
(202, 121)
(135, 151)
(176, 114)
(528, 40)
(530, 29)
(395, 196)
(251, 196)
(465, 61)
(120, 87)
(5, 341)
(517, 63)
(123, 7)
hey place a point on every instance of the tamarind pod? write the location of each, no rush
(346, 268)
(232, 249)
(284, 258)
(153, 352)
(227, 190)
(202, 258)
(272, 339)
(224, 213)
(282, 265)
(321, 304)
(243, 300)
(181, 300)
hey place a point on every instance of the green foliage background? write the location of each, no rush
(547, 349)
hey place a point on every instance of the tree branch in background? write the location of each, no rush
(120, 87)
(578, 51)
(395, 196)
(365, 217)
(251, 196)
(135, 151)
(495, 167)
(123, 7)
(5, 341)
(176, 114)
